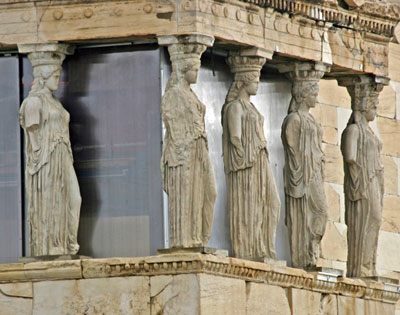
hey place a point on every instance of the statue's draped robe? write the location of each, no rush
(53, 223)
(188, 176)
(303, 173)
(364, 189)
(253, 198)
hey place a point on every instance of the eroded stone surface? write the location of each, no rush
(350, 305)
(391, 214)
(266, 299)
(391, 174)
(220, 295)
(15, 305)
(18, 289)
(339, 97)
(333, 199)
(388, 251)
(334, 164)
(178, 294)
(378, 308)
(119, 296)
(330, 135)
(303, 302)
(387, 102)
(334, 242)
(197, 294)
(389, 130)
(328, 305)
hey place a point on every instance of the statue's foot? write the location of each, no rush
(73, 248)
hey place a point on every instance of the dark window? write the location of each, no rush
(10, 162)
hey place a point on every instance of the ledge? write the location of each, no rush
(178, 264)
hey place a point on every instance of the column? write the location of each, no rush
(303, 173)
(253, 199)
(363, 179)
(188, 177)
(52, 189)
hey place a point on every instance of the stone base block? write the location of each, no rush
(270, 261)
(30, 259)
(197, 295)
(266, 299)
(325, 270)
(381, 279)
(201, 250)
(117, 296)
(303, 302)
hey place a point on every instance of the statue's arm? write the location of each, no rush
(349, 144)
(32, 121)
(292, 134)
(234, 120)
(294, 157)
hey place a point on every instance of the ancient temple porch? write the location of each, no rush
(346, 42)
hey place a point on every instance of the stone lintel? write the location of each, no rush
(194, 38)
(65, 49)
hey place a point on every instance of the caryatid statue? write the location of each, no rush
(363, 179)
(188, 176)
(253, 199)
(303, 173)
(52, 189)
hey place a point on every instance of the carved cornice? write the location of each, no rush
(361, 19)
(173, 264)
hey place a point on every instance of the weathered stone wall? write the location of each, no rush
(183, 284)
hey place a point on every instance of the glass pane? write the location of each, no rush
(10, 163)
(113, 97)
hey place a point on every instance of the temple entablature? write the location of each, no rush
(352, 37)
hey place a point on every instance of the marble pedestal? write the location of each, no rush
(30, 259)
(201, 250)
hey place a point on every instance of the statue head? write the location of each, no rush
(372, 103)
(247, 75)
(185, 59)
(305, 78)
(46, 70)
(304, 92)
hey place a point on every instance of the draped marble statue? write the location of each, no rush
(188, 176)
(363, 181)
(52, 188)
(303, 173)
(253, 199)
